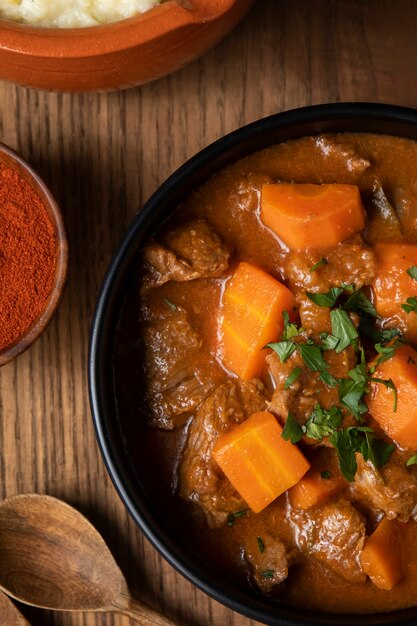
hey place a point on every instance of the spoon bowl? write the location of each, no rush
(9, 613)
(53, 558)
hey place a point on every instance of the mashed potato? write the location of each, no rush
(72, 13)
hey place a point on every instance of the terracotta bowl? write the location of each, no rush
(118, 55)
(13, 161)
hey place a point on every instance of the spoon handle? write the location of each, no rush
(143, 614)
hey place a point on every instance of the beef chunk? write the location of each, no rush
(180, 373)
(190, 251)
(340, 152)
(391, 490)
(246, 196)
(269, 567)
(333, 534)
(350, 262)
(201, 480)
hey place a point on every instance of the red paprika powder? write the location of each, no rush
(27, 256)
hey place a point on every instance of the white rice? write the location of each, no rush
(72, 13)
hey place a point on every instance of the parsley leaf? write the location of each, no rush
(411, 305)
(312, 357)
(329, 342)
(378, 451)
(261, 544)
(385, 353)
(292, 377)
(290, 329)
(326, 475)
(359, 439)
(360, 303)
(389, 384)
(232, 517)
(321, 261)
(352, 390)
(346, 446)
(328, 379)
(170, 304)
(388, 334)
(412, 460)
(268, 574)
(292, 430)
(343, 329)
(323, 422)
(325, 299)
(412, 272)
(284, 349)
(349, 287)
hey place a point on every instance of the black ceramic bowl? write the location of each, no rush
(140, 502)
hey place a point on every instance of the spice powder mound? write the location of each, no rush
(27, 256)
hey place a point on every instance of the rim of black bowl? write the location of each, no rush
(338, 117)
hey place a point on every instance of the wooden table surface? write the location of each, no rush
(103, 155)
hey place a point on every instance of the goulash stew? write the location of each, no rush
(273, 327)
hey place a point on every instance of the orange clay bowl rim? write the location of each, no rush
(54, 213)
(93, 41)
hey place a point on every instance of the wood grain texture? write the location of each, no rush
(102, 155)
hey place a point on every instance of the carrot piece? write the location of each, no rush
(259, 463)
(253, 303)
(382, 558)
(398, 419)
(312, 216)
(315, 489)
(392, 285)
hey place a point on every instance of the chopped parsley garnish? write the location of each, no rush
(412, 272)
(352, 390)
(326, 475)
(284, 349)
(286, 346)
(328, 341)
(410, 306)
(389, 385)
(290, 329)
(387, 352)
(359, 303)
(328, 379)
(292, 430)
(232, 517)
(325, 299)
(268, 574)
(170, 304)
(388, 334)
(312, 357)
(411, 360)
(412, 460)
(320, 262)
(261, 544)
(343, 329)
(346, 447)
(292, 377)
(359, 439)
(323, 422)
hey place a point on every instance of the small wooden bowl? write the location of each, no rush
(13, 161)
(117, 55)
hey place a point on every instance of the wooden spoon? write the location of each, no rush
(53, 558)
(10, 616)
